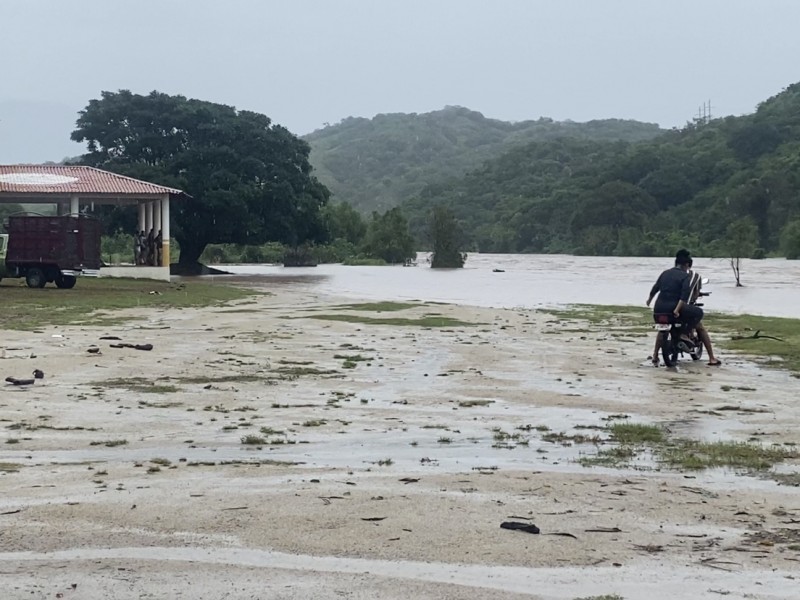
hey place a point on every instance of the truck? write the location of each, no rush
(50, 249)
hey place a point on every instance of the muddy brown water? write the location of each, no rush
(770, 287)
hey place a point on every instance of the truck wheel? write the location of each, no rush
(35, 278)
(66, 282)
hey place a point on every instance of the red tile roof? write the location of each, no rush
(73, 180)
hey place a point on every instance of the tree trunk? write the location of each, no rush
(189, 258)
(735, 267)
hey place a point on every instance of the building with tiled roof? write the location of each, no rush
(69, 187)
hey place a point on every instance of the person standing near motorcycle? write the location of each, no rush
(673, 287)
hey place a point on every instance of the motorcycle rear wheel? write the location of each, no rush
(669, 351)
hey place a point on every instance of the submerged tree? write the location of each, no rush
(388, 237)
(249, 180)
(446, 234)
(741, 240)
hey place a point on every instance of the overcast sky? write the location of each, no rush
(305, 63)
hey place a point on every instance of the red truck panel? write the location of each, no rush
(71, 242)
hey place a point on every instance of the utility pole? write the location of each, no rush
(704, 113)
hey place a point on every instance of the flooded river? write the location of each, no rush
(529, 280)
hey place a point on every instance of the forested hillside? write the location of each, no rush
(375, 164)
(684, 187)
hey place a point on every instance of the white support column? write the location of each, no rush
(142, 223)
(156, 217)
(148, 218)
(165, 231)
(74, 205)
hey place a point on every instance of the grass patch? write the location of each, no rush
(397, 321)
(25, 308)
(253, 440)
(683, 454)
(692, 454)
(6, 467)
(109, 443)
(626, 316)
(744, 326)
(471, 403)
(609, 457)
(379, 306)
(353, 357)
(636, 433)
(271, 431)
(299, 371)
(219, 379)
(137, 384)
(146, 404)
(315, 423)
(566, 439)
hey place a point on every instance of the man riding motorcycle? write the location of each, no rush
(678, 289)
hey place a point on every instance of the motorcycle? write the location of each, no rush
(671, 330)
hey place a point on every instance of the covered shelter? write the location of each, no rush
(76, 189)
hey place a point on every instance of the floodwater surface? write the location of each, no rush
(533, 280)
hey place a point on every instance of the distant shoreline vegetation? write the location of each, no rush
(116, 251)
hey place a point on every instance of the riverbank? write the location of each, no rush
(295, 445)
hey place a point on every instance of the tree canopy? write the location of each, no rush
(446, 237)
(250, 180)
(388, 238)
(682, 188)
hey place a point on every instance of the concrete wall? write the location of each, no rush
(141, 272)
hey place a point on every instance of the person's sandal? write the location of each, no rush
(715, 363)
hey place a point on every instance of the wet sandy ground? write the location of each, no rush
(382, 480)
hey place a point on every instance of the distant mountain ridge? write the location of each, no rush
(378, 163)
(707, 186)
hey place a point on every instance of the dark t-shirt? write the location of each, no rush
(672, 285)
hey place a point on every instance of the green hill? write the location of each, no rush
(684, 187)
(375, 164)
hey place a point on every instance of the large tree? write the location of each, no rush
(249, 180)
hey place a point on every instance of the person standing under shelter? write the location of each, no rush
(141, 243)
(151, 247)
(158, 249)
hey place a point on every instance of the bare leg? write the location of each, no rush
(656, 349)
(704, 337)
